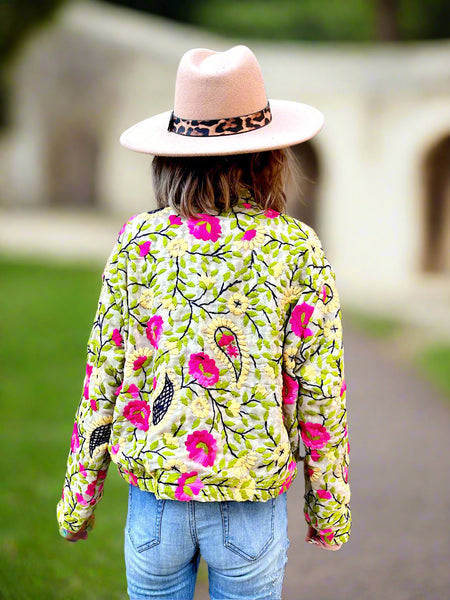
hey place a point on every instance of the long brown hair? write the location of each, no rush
(211, 184)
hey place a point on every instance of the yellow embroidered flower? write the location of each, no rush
(281, 453)
(146, 299)
(169, 303)
(175, 463)
(332, 304)
(277, 269)
(315, 475)
(312, 243)
(136, 360)
(237, 304)
(331, 455)
(251, 239)
(172, 347)
(234, 407)
(245, 490)
(95, 378)
(177, 247)
(207, 281)
(243, 465)
(260, 392)
(333, 329)
(269, 371)
(288, 356)
(290, 294)
(308, 373)
(170, 440)
(200, 407)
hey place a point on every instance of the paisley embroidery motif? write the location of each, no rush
(163, 401)
(98, 435)
(165, 394)
(230, 347)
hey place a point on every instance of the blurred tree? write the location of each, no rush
(17, 18)
(316, 20)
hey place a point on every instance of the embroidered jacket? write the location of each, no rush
(215, 363)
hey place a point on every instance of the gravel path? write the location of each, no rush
(400, 448)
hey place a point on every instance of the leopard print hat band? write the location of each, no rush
(219, 127)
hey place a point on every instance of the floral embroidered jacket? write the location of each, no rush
(215, 363)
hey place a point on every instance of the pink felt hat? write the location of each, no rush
(221, 108)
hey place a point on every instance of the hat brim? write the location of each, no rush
(292, 123)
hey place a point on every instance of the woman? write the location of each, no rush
(216, 350)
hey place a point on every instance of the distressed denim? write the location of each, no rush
(243, 543)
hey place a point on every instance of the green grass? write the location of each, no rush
(434, 363)
(375, 326)
(46, 318)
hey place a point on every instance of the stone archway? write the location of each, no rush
(302, 197)
(436, 172)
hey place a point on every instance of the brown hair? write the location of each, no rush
(211, 184)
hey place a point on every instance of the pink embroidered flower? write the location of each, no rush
(323, 293)
(326, 535)
(232, 350)
(324, 494)
(117, 338)
(316, 456)
(202, 447)
(144, 248)
(300, 318)
(131, 477)
(155, 381)
(82, 469)
(125, 224)
(249, 234)
(225, 339)
(345, 474)
(138, 362)
(115, 449)
(86, 381)
(287, 482)
(290, 389)
(133, 390)
(90, 490)
(205, 227)
(203, 368)
(75, 441)
(154, 330)
(343, 388)
(314, 435)
(119, 389)
(189, 485)
(81, 500)
(247, 205)
(271, 214)
(175, 220)
(307, 517)
(94, 404)
(137, 412)
(226, 342)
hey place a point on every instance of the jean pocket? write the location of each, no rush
(144, 519)
(248, 527)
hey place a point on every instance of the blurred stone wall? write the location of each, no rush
(79, 83)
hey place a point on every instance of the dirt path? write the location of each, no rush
(400, 454)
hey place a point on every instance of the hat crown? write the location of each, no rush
(219, 85)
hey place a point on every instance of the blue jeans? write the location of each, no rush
(243, 543)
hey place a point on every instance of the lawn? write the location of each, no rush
(46, 318)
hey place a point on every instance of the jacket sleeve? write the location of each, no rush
(314, 353)
(89, 458)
